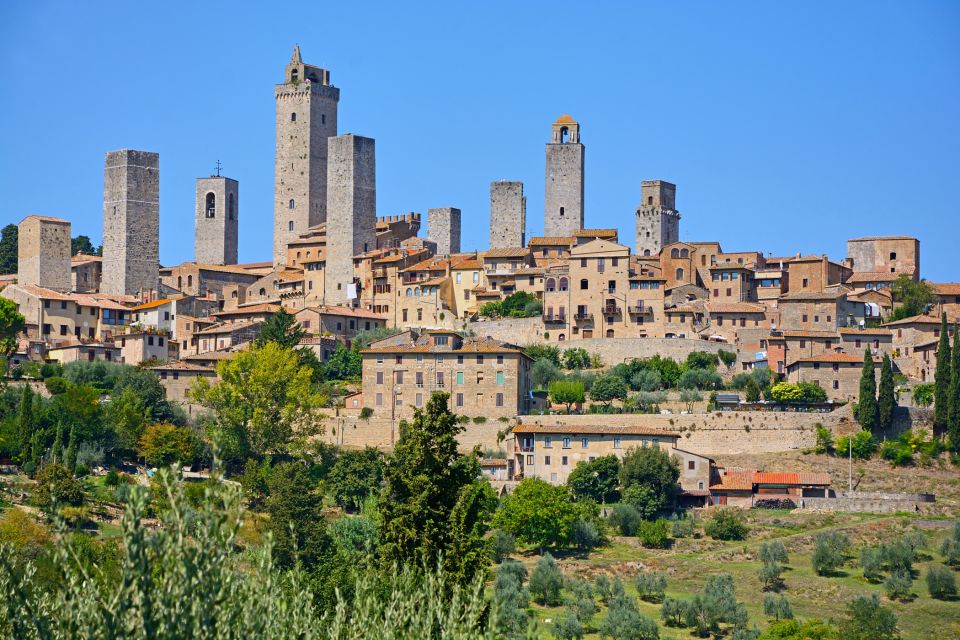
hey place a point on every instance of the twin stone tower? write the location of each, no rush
(321, 178)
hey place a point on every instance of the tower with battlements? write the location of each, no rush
(131, 222)
(563, 199)
(658, 221)
(306, 118)
(216, 220)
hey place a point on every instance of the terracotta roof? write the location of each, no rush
(177, 365)
(862, 293)
(813, 295)
(260, 307)
(223, 354)
(43, 293)
(225, 268)
(593, 429)
(551, 241)
(430, 264)
(946, 288)
(83, 258)
(469, 263)
(155, 304)
(735, 307)
(336, 310)
(734, 481)
(866, 331)
(840, 358)
(882, 238)
(507, 252)
(921, 319)
(873, 276)
(432, 281)
(473, 345)
(229, 327)
(530, 271)
(802, 333)
(565, 119)
(778, 477)
(596, 233)
(47, 219)
(493, 462)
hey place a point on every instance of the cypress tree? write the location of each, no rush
(941, 379)
(953, 418)
(70, 458)
(25, 422)
(886, 400)
(56, 451)
(867, 404)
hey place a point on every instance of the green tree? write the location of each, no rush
(281, 328)
(653, 468)
(769, 575)
(546, 582)
(263, 399)
(654, 534)
(625, 622)
(343, 364)
(163, 444)
(913, 297)
(715, 606)
(511, 599)
(543, 352)
(596, 479)
(82, 244)
(651, 585)
(953, 413)
(886, 399)
(56, 449)
(777, 608)
(70, 457)
(12, 323)
(794, 630)
(752, 391)
(57, 486)
(727, 357)
(940, 582)
(923, 394)
(606, 389)
(433, 501)
(128, 416)
(355, 476)
(576, 358)
(871, 559)
(8, 248)
(568, 392)
(296, 518)
(867, 411)
(726, 524)
(786, 392)
(829, 552)
(544, 372)
(942, 379)
(898, 585)
(867, 619)
(26, 420)
(626, 518)
(861, 445)
(538, 513)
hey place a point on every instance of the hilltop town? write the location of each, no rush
(413, 399)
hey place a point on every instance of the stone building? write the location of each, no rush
(443, 227)
(563, 199)
(658, 221)
(836, 373)
(508, 214)
(306, 118)
(351, 212)
(86, 272)
(178, 378)
(484, 377)
(217, 220)
(131, 222)
(43, 253)
(885, 254)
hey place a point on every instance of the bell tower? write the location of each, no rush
(563, 199)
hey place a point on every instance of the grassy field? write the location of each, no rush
(689, 561)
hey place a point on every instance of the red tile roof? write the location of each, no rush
(593, 429)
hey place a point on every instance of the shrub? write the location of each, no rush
(624, 621)
(501, 545)
(546, 581)
(684, 527)
(511, 600)
(898, 584)
(863, 446)
(543, 373)
(950, 549)
(626, 519)
(867, 619)
(726, 524)
(941, 583)
(576, 358)
(643, 499)
(899, 555)
(567, 626)
(55, 385)
(112, 478)
(871, 559)
(671, 612)
(773, 551)
(57, 486)
(603, 588)
(654, 535)
(365, 413)
(829, 551)
(777, 608)
(651, 585)
(824, 440)
(585, 535)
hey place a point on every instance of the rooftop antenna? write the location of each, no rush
(219, 166)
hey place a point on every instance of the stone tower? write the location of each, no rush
(563, 200)
(131, 222)
(351, 212)
(443, 227)
(658, 221)
(43, 252)
(217, 220)
(306, 117)
(508, 215)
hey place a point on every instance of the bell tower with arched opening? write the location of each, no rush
(306, 118)
(563, 199)
(217, 220)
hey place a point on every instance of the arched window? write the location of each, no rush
(561, 211)
(231, 206)
(679, 274)
(233, 294)
(179, 282)
(263, 292)
(609, 333)
(650, 200)
(211, 206)
(563, 284)
(562, 337)
(298, 255)
(189, 281)
(416, 292)
(684, 253)
(290, 224)
(409, 292)
(564, 135)
(646, 252)
(291, 204)
(551, 284)
(293, 117)
(674, 253)
(294, 75)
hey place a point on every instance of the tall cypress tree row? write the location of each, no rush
(886, 400)
(953, 417)
(25, 421)
(867, 404)
(941, 379)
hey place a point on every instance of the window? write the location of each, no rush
(293, 116)
(379, 399)
(563, 284)
(210, 209)
(232, 210)
(691, 465)
(459, 399)
(836, 384)
(679, 274)
(499, 377)
(530, 460)
(546, 459)
(499, 399)
(893, 255)
(419, 399)
(291, 205)
(399, 376)
(563, 460)
(440, 382)
(379, 377)
(566, 443)
(584, 442)
(459, 377)
(419, 378)
(616, 443)
(561, 212)
(547, 441)
(584, 284)
(601, 265)
(805, 282)
(551, 285)
(499, 359)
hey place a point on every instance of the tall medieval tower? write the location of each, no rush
(563, 200)
(658, 221)
(306, 117)
(131, 222)
(217, 220)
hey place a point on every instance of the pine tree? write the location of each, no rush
(953, 417)
(867, 404)
(70, 457)
(941, 379)
(886, 400)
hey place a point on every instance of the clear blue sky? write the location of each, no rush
(786, 128)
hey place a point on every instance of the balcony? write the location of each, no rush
(639, 310)
(583, 317)
(498, 272)
(380, 273)
(562, 319)
(611, 310)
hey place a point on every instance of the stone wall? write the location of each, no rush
(869, 502)
(443, 227)
(131, 222)
(508, 215)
